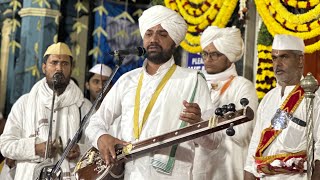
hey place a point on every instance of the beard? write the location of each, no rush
(60, 84)
(162, 56)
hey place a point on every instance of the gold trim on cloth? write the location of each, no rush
(39, 12)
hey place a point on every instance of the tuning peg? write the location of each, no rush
(224, 109)
(218, 112)
(244, 102)
(231, 107)
(230, 131)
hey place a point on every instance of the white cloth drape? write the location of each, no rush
(27, 124)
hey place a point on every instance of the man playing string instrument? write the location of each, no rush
(152, 100)
(278, 146)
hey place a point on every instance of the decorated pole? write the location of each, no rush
(310, 85)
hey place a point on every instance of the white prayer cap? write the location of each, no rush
(58, 49)
(170, 20)
(228, 41)
(105, 71)
(287, 42)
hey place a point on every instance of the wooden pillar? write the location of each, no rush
(38, 29)
(250, 41)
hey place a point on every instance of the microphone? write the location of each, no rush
(57, 77)
(139, 51)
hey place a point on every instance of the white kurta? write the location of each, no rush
(228, 159)
(164, 116)
(291, 140)
(21, 132)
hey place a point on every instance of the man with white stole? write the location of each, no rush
(143, 114)
(278, 147)
(221, 48)
(26, 131)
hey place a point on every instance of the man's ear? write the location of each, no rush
(301, 61)
(44, 68)
(87, 85)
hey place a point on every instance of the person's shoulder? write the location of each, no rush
(87, 102)
(243, 82)
(186, 70)
(22, 100)
(130, 74)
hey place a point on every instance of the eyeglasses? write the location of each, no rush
(211, 55)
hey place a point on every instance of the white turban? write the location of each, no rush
(287, 42)
(228, 41)
(170, 20)
(104, 70)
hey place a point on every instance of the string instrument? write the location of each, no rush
(92, 166)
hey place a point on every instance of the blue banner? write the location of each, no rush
(195, 61)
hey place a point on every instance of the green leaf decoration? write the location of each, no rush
(101, 10)
(77, 49)
(39, 24)
(34, 71)
(95, 52)
(138, 13)
(98, 31)
(79, 6)
(15, 24)
(57, 20)
(58, 2)
(41, 3)
(78, 26)
(7, 11)
(136, 32)
(55, 38)
(125, 15)
(15, 4)
(122, 34)
(36, 47)
(14, 44)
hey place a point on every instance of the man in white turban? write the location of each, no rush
(278, 147)
(26, 132)
(222, 47)
(152, 100)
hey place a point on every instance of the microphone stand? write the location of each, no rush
(41, 168)
(54, 173)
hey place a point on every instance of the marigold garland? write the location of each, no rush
(199, 14)
(271, 10)
(265, 79)
(301, 4)
(290, 17)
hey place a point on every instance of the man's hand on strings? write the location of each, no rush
(191, 113)
(74, 152)
(106, 146)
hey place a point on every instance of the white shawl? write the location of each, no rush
(66, 114)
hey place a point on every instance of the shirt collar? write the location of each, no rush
(162, 68)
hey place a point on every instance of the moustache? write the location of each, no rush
(154, 45)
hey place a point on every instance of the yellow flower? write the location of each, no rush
(302, 4)
(275, 27)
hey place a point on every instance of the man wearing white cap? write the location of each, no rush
(222, 47)
(278, 147)
(152, 100)
(97, 76)
(26, 131)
